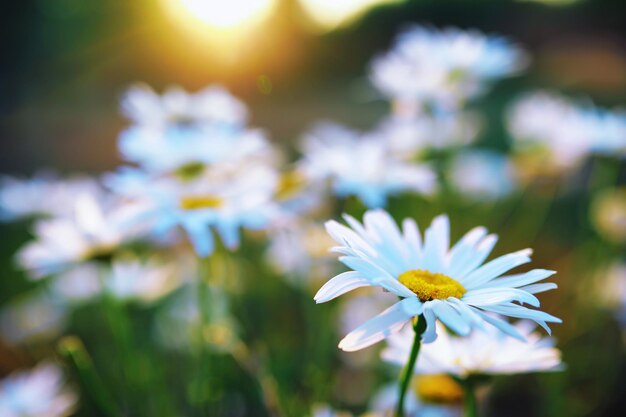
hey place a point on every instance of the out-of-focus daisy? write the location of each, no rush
(431, 396)
(180, 149)
(77, 284)
(441, 283)
(94, 229)
(481, 175)
(608, 214)
(212, 105)
(548, 132)
(32, 318)
(44, 194)
(443, 67)
(607, 130)
(553, 134)
(220, 198)
(299, 250)
(408, 137)
(132, 279)
(181, 131)
(482, 352)
(361, 166)
(40, 392)
(323, 410)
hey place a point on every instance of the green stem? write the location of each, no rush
(73, 350)
(470, 403)
(407, 373)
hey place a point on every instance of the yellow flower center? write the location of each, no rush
(200, 201)
(438, 389)
(290, 183)
(431, 286)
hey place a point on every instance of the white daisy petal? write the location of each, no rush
(501, 325)
(412, 237)
(451, 317)
(519, 280)
(495, 268)
(490, 296)
(381, 326)
(464, 250)
(340, 285)
(482, 251)
(436, 243)
(430, 334)
(539, 288)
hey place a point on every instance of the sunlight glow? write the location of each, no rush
(220, 14)
(329, 14)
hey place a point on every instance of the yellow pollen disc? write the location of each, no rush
(289, 184)
(438, 389)
(200, 202)
(431, 286)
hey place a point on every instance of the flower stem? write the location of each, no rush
(407, 373)
(470, 404)
(73, 350)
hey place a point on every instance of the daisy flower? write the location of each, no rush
(550, 131)
(444, 67)
(213, 104)
(145, 281)
(95, 229)
(431, 396)
(166, 151)
(407, 137)
(486, 352)
(361, 166)
(39, 392)
(299, 250)
(481, 175)
(452, 285)
(222, 198)
(45, 194)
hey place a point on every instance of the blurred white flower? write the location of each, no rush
(361, 165)
(31, 318)
(441, 283)
(443, 67)
(299, 251)
(44, 194)
(607, 129)
(181, 131)
(545, 123)
(481, 174)
(40, 392)
(556, 134)
(406, 137)
(80, 283)
(94, 229)
(132, 279)
(223, 198)
(212, 105)
(178, 148)
(482, 352)
(385, 400)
